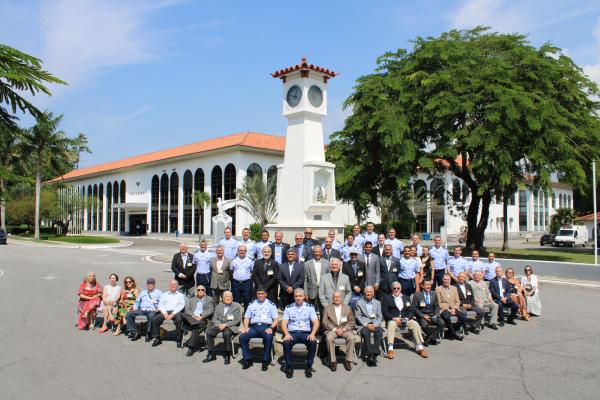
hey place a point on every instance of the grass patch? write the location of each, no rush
(550, 254)
(74, 239)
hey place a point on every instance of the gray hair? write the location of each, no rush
(396, 283)
(298, 291)
(369, 287)
(334, 259)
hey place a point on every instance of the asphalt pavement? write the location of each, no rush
(43, 355)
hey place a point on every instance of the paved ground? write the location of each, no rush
(43, 355)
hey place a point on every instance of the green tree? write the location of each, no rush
(563, 216)
(201, 199)
(10, 160)
(50, 148)
(488, 107)
(258, 199)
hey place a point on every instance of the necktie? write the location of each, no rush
(354, 268)
(291, 267)
(367, 259)
(427, 298)
(328, 253)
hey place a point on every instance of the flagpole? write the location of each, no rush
(595, 213)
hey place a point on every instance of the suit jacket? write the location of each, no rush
(296, 280)
(220, 281)
(306, 252)
(266, 279)
(372, 269)
(207, 311)
(378, 250)
(285, 248)
(219, 318)
(481, 294)
(330, 321)
(326, 288)
(390, 310)
(333, 253)
(188, 270)
(421, 309)
(309, 244)
(495, 289)
(311, 287)
(361, 276)
(468, 298)
(362, 314)
(388, 276)
(448, 301)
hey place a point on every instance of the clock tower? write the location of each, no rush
(305, 181)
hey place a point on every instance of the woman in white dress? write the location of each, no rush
(110, 302)
(531, 291)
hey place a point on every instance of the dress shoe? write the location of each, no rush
(148, 339)
(209, 357)
(422, 353)
(390, 354)
(130, 335)
(333, 366)
(348, 365)
(247, 364)
(308, 372)
(179, 344)
(511, 322)
(494, 327)
(157, 342)
(227, 359)
(476, 330)
(466, 331)
(289, 373)
(264, 366)
(136, 336)
(456, 337)
(190, 352)
(501, 323)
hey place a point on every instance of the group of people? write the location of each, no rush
(370, 284)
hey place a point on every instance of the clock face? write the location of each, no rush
(315, 96)
(294, 95)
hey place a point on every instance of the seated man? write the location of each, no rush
(226, 319)
(260, 321)
(169, 308)
(334, 281)
(338, 321)
(198, 311)
(146, 304)
(369, 317)
(467, 302)
(299, 325)
(483, 298)
(450, 306)
(500, 291)
(397, 312)
(427, 308)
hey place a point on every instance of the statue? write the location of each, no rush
(320, 194)
(225, 205)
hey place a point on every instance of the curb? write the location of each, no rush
(122, 244)
(549, 262)
(569, 282)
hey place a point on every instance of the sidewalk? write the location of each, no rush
(63, 245)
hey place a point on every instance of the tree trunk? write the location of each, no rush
(505, 220)
(38, 189)
(2, 207)
(472, 214)
(479, 238)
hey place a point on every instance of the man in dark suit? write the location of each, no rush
(279, 248)
(265, 274)
(184, 268)
(329, 251)
(303, 251)
(355, 269)
(309, 242)
(379, 249)
(427, 308)
(291, 276)
(467, 302)
(500, 291)
(198, 311)
(389, 266)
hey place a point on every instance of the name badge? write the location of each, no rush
(394, 269)
(343, 319)
(503, 290)
(422, 304)
(407, 304)
(269, 272)
(230, 318)
(373, 315)
(89, 287)
(189, 264)
(342, 287)
(263, 316)
(302, 324)
(468, 293)
(301, 259)
(360, 273)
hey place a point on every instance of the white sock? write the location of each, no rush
(419, 347)
(390, 346)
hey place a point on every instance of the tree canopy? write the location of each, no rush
(491, 108)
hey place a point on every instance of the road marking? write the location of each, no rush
(568, 283)
(149, 258)
(114, 262)
(548, 262)
(49, 277)
(1, 273)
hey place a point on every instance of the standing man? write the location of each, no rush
(371, 266)
(450, 307)
(265, 274)
(279, 248)
(299, 325)
(440, 258)
(335, 244)
(198, 311)
(220, 268)
(226, 319)
(300, 249)
(389, 266)
(369, 316)
(146, 304)
(501, 294)
(260, 321)
(379, 248)
(475, 264)
(416, 241)
(409, 268)
(334, 281)
(169, 308)
(202, 260)
(329, 251)
(427, 309)
(313, 272)
(250, 245)
(457, 264)
(229, 244)
(264, 241)
(291, 276)
(338, 322)
(397, 245)
(490, 267)
(370, 235)
(310, 242)
(355, 269)
(346, 249)
(241, 285)
(359, 240)
(183, 267)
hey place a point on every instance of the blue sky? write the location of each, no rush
(147, 75)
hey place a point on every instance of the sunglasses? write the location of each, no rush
(396, 288)
(128, 282)
(201, 290)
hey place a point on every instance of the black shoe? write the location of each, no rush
(265, 366)
(289, 373)
(190, 352)
(179, 344)
(157, 342)
(130, 335)
(511, 322)
(456, 336)
(308, 372)
(227, 358)
(500, 323)
(209, 357)
(136, 336)
(247, 364)
(466, 331)
(476, 330)
(494, 327)
(148, 338)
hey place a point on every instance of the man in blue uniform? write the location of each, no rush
(440, 260)
(258, 246)
(249, 243)
(229, 244)
(202, 260)
(409, 268)
(457, 264)
(260, 321)
(241, 284)
(299, 325)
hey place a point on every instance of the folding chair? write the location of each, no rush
(258, 342)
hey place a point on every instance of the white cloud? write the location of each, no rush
(113, 119)
(593, 71)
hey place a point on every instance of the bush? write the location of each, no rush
(17, 230)
(255, 230)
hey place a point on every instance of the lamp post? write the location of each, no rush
(595, 213)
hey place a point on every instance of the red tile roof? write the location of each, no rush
(304, 65)
(589, 217)
(245, 139)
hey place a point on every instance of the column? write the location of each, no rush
(180, 204)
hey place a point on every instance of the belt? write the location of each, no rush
(242, 281)
(260, 324)
(202, 273)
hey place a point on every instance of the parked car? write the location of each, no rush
(571, 235)
(547, 239)
(2, 236)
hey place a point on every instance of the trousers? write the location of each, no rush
(330, 338)
(413, 327)
(130, 318)
(299, 337)
(242, 292)
(257, 331)
(368, 347)
(196, 327)
(408, 286)
(212, 332)
(157, 321)
(514, 307)
(447, 317)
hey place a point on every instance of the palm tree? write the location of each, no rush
(10, 146)
(51, 149)
(201, 199)
(257, 198)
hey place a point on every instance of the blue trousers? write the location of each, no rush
(242, 292)
(514, 307)
(354, 299)
(204, 280)
(257, 331)
(299, 337)
(438, 277)
(130, 318)
(408, 286)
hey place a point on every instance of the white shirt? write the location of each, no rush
(463, 288)
(113, 293)
(338, 313)
(399, 302)
(220, 266)
(170, 301)
(318, 270)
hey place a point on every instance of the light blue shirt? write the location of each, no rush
(250, 247)
(230, 247)
(490, 269)
(478, 265)
(242, 268)
(359, 242)
(419, 250)
(199, 308)
(170, 301)
(145, 300)
(397, 247)
(202, 260)
(278, 253)
(346, 253)
(409, 267)
(371, 237)
(299, 317)
(265, 312)
(258, 246)
(369, 305)
(457, 265)
(440, 257)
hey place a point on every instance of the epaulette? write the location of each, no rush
(309, 304)
(270, 302)
(289, 305)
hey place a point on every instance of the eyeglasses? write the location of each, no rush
(308, 233)
(128, 282)
(396, 288)
(201, 290)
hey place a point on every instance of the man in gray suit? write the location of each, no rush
(334, 281)
(371, 266)
(220, 267)
(369, 317)
(314, 269)
(198, 311)
(226, 319)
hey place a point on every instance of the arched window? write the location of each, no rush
(187, 201)
(95, 208)
(560, 200)
(164, 202)
(122, 191)
(272, 177)
(569, 201)
(109, 206)
(229, 183)
(198, 212)
(456, 192)
(115, 223)
(89, 207)
(100, 205)
(154, 206)
(420, 205)
(438, 191)
(254, 170)
(174, 210)
(216, 189)
(438, 200)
